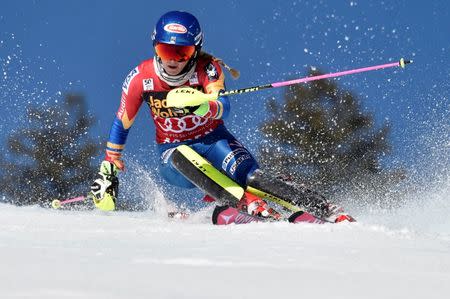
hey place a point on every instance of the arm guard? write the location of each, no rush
(218, 109)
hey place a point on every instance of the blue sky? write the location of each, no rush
(53, 47)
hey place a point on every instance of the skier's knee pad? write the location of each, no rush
(205, 176)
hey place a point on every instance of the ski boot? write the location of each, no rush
(256, 206)
(250, 208)
(336, 214)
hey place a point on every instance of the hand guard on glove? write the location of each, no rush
(191, 101)
(105, 189)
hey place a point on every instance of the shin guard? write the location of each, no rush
(205, 176)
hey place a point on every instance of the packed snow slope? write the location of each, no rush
(89, 254)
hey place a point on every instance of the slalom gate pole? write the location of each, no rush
(401, 63)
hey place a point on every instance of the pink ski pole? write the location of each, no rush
(400, 63)
(56, 203)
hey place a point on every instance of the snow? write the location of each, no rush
(403, 253)
(89, 254)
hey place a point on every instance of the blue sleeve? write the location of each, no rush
(225, 106)
(117, 138)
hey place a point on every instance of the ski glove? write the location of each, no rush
(105, 188)
(218, 109)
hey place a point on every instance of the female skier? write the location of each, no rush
(179, 61)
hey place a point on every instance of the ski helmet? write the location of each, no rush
(177, 36)
(178, 28)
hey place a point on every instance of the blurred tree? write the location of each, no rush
(321, 137)
(51, 158)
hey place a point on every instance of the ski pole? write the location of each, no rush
(400, 63)
(56, 203)
(186, 96)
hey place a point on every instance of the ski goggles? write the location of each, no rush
(174, 52)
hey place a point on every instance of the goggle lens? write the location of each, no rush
(174, 52)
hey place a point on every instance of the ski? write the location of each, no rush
(225, 215)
